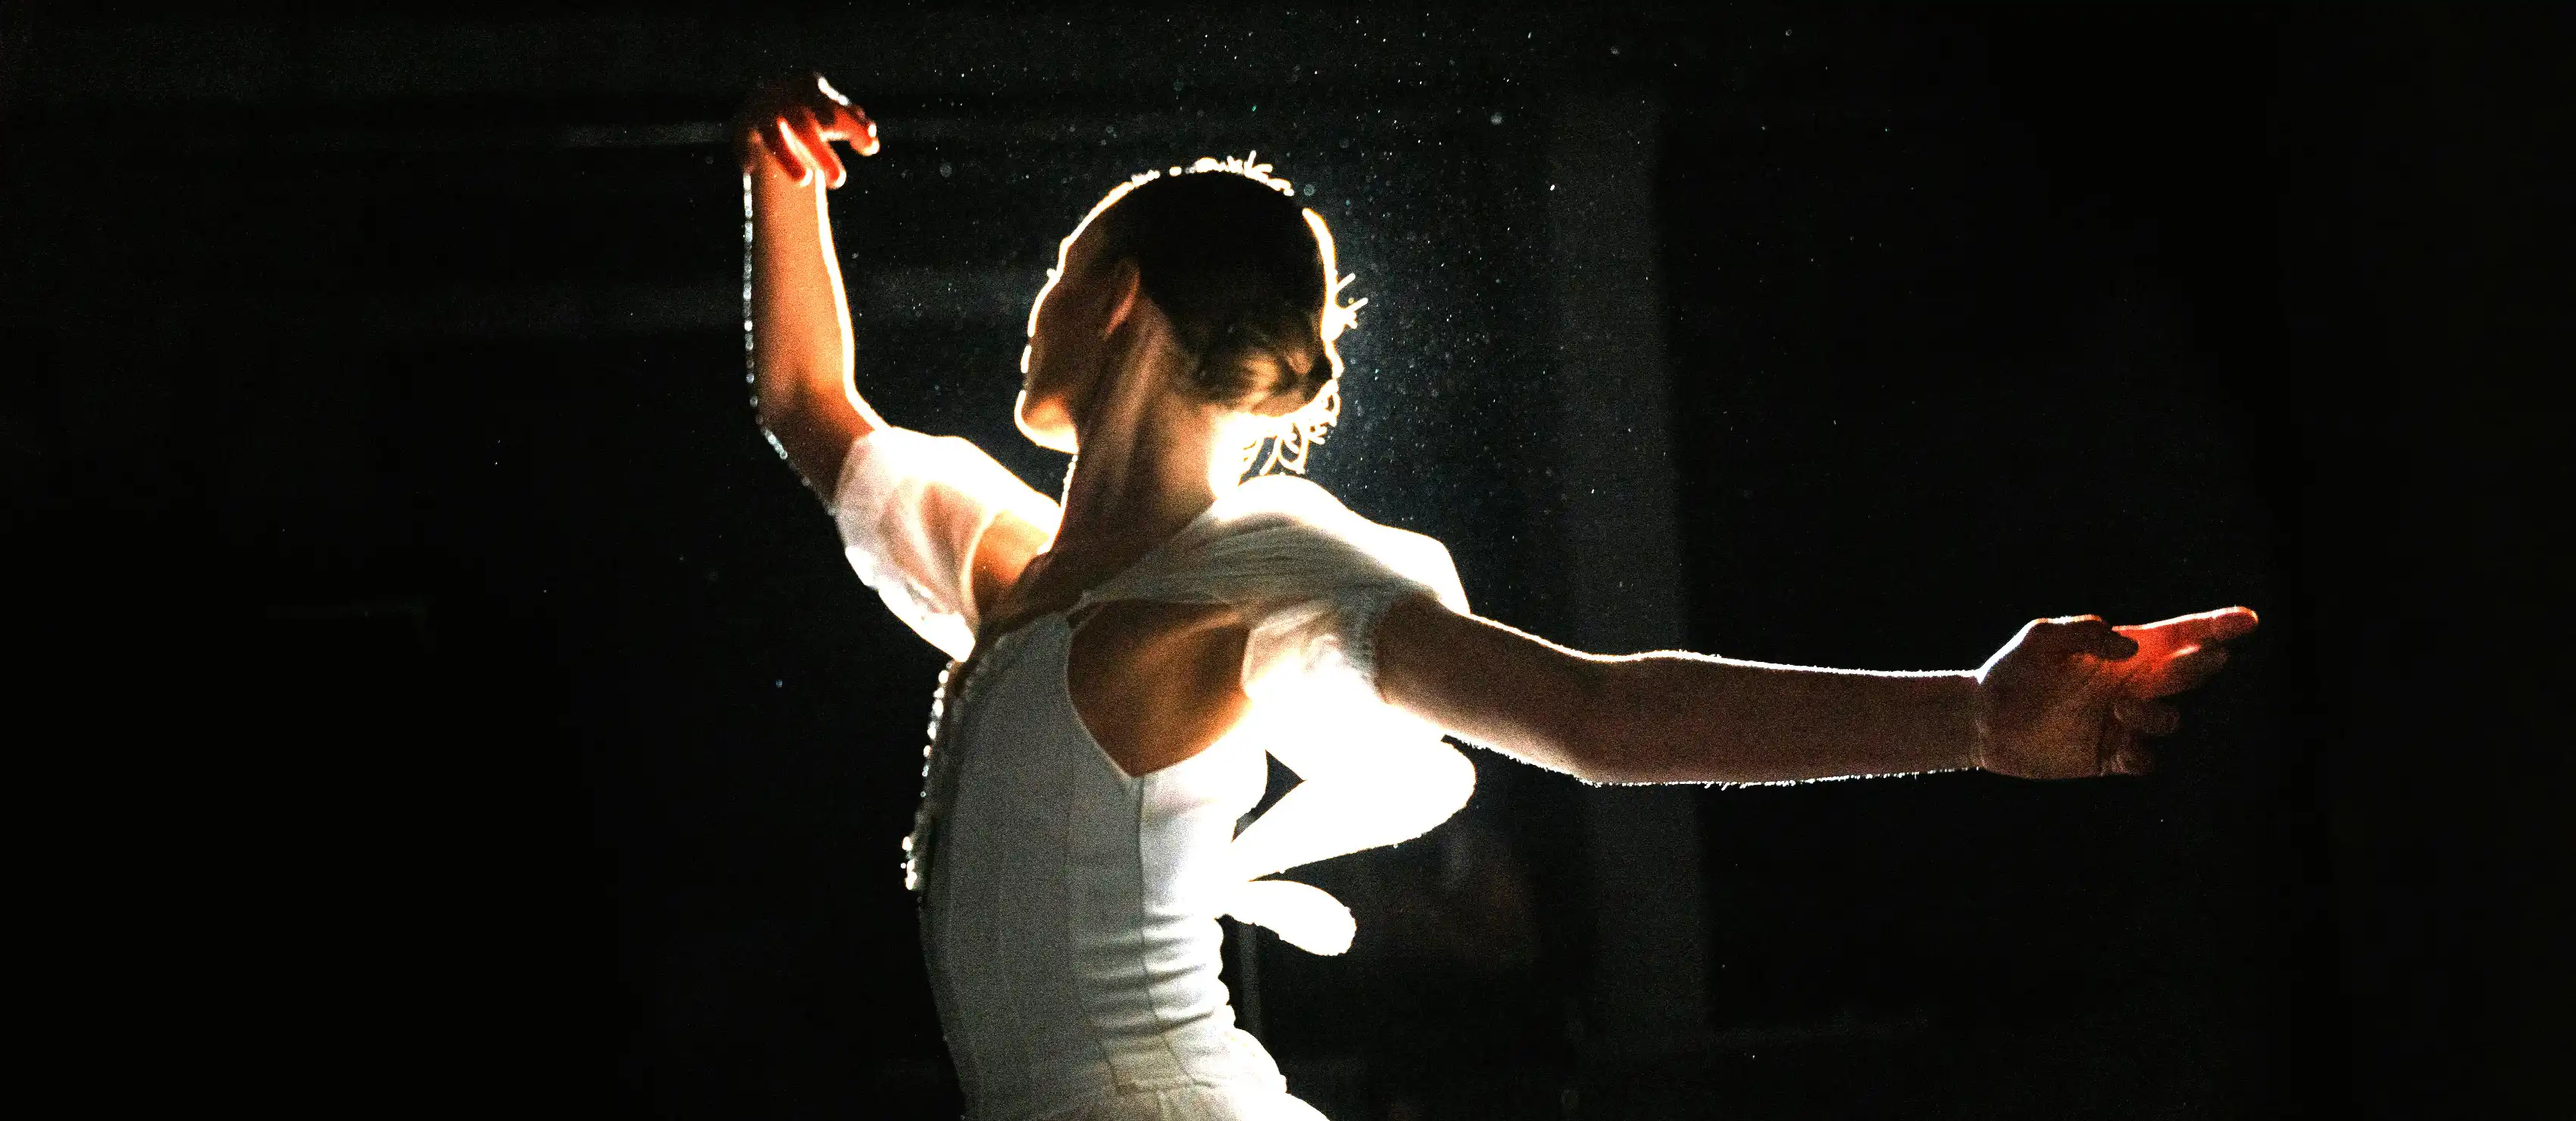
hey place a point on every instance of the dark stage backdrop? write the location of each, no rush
(436, 695)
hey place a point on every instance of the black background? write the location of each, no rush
(434, 694)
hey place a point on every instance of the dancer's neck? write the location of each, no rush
(1148, 466)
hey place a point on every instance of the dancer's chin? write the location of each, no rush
(1045, 424)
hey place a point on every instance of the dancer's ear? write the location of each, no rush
(1126, 286)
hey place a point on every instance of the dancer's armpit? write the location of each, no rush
(1002, 554)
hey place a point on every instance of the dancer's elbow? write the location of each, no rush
(788, 398)
(1607, 760)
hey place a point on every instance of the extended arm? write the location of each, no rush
(802, 352)
(2065, 698)
(802, 360)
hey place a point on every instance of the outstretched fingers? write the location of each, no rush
(2180, 673)
(849, 123)
(783, 151)
(841, 120)
(759, 143)
(2180, 653)
(791, 122)
(2206, 628)
(806, 134)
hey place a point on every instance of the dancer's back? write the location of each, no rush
(1069, 899)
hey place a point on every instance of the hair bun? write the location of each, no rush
(1244, 275)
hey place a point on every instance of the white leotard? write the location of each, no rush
(1069, 909)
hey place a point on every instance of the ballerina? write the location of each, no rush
(1125, 657)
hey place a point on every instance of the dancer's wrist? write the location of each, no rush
(1969, 722)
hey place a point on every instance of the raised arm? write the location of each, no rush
(801, 353)
(2065, 698)
(966, 510)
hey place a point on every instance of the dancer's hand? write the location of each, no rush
(2075, 697)
(789, 124)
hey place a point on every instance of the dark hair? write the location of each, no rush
(1234, 264)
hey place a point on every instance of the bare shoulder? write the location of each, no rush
(1157, 683)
